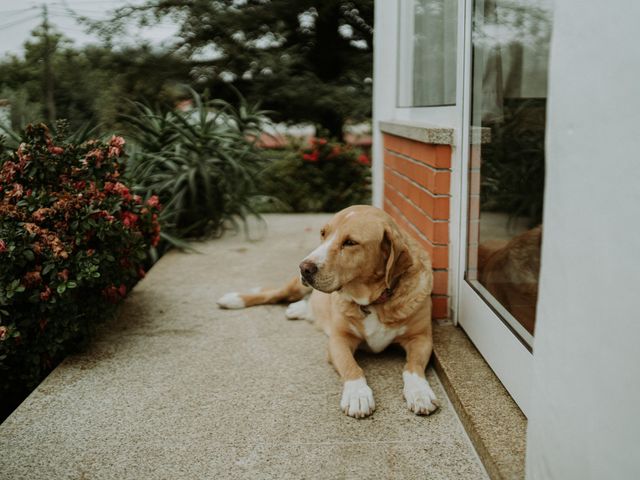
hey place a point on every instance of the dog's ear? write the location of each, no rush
(399, 258)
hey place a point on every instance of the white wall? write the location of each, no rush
(384, 94)
(585, 420)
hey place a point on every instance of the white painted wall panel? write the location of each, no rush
(584, 421)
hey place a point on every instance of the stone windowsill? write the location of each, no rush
(433, 134)
(419, 132)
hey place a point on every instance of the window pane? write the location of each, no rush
(510, 41)
(427, 53)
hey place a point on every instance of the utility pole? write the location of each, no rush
(48, 72)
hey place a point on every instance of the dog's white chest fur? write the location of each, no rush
(378, 335)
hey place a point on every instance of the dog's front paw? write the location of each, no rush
(298, 310)
(231, 300)
(357, 399)
(420, 398)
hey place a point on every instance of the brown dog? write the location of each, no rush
(371, 287)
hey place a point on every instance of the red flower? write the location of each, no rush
(122, 290)
(64, 275)
(129, 219)
(32, 278)
(364, 160)
(335, 151)
(122, 190)
(3, 246)
(111, 294)
(311, 157)
(318, 141)
(141, 272)
(45, 294)
(55, 150)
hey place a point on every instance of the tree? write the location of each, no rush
(306, 60)
(92, 84)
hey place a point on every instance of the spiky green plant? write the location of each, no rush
(202, 163)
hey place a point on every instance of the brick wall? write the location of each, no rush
(417, 179)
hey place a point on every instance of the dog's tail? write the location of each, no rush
(291, 292)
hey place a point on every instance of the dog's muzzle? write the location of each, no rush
(308, 269)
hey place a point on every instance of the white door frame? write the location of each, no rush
(507, 356)
(503, 351)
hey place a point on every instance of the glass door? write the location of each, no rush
(504, 186)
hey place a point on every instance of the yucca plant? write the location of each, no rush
(202, 163)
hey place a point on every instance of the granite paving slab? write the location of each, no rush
(175, 388)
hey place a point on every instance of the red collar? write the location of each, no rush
(386, 295)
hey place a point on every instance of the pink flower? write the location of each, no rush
(3, 246)
(21, 156)
(18, 191)
(122, 290)
(115, 146)
(153, 202)
(97, 154)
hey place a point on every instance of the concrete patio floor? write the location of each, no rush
(175, 388)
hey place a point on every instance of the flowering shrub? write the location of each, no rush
(73, 240)
(324, 177)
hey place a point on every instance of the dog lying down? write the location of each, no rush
(370, 287)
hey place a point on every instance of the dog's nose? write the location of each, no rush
(308, 269)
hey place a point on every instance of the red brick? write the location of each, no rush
(423, 152)
(440, 307)
(443, 156)
(436, 181)
(436, 232)
(397, 144)
(435, 207)
(440, 282)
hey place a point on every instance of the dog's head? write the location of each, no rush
(360, 245)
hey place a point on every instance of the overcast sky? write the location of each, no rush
(19, 17)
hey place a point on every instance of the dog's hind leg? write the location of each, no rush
(291, 292)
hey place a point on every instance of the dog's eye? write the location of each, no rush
(349, 243)
(322, 233)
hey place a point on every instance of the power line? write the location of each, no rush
(18, 22)
(12, 13)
